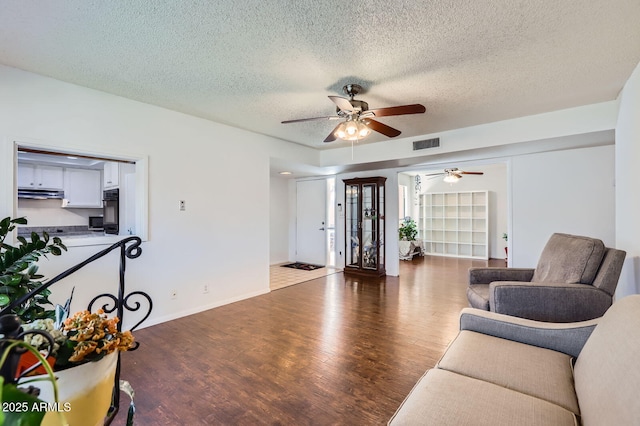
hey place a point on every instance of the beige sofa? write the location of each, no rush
(503, 370)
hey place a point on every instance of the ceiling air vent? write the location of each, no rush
(427, 143)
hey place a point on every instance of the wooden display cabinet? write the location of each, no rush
(364, 226)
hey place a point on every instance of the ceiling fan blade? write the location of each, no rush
(470, 173)
(381, 128)
(399, 110)
(300, 120)
(332, 136)
(342, 103)
(435, 174)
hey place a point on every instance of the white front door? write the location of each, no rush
(311, 208)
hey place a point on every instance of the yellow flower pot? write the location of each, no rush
(84, 393)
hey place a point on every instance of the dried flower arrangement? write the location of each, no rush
(91, 336)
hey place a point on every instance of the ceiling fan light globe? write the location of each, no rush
(451, 178)
(340, 131)
(352, 129)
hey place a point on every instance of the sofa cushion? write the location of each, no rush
(569, 259)
(444, 398)
(607, 371)
(535, 371)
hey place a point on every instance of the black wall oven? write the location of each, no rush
(110, 206)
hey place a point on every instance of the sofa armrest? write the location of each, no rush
(489, 275)
(568, 338)
(552, 302)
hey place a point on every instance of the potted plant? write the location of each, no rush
(408, 230)
(84, 347)
(407, 234)
(85, 365)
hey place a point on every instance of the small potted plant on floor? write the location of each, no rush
(407, 234)
(408, 230)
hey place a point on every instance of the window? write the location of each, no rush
(331, 221)
(403, 202)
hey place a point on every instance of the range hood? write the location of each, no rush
(40, 194)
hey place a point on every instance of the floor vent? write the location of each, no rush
(427, 143)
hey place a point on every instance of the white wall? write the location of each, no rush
(568, 191)
(279, 223)
(219, 240)
(50, 213)
(627, 188)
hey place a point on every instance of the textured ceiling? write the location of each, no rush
(254, 63)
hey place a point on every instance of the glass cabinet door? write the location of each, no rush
(368, 214)
(352, 240)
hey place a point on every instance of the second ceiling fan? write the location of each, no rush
(358, 118)
(453, 174)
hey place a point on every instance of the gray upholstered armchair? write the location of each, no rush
(575, 280)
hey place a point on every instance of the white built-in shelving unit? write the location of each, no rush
(455, 224)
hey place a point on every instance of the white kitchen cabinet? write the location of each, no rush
(32, 176)
(82, 188)
(111, 175)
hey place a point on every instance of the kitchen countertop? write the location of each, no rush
(88, 234)
(60, 231)
(73, 236)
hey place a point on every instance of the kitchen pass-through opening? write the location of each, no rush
(80, 196)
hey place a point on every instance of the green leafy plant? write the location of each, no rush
(408, 230)
(19, 272)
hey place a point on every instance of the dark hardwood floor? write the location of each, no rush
(332, 351)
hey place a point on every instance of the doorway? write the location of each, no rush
(443, 223)
(315, 234)
(316, 221)
(311, 221)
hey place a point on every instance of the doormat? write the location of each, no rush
(303, 266)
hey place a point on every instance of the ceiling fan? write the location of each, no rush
(453, 174)
(358, 118)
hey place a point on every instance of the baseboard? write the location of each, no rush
(199, 309)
